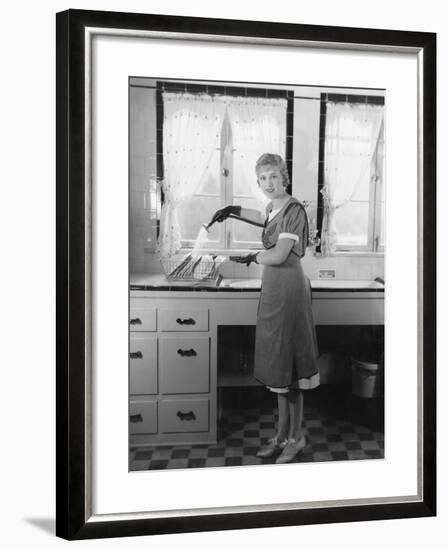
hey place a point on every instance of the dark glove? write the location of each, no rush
(248, 259)
(224, 212)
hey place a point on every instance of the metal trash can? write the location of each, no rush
(365, 378)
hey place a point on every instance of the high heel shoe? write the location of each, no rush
(274, 446)
(291, 449)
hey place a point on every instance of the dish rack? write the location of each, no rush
(192, 268)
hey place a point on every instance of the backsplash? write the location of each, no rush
(363, 268)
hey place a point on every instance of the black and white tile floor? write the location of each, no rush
(332, 433)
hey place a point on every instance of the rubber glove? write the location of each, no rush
(223, 213)
(248, 259)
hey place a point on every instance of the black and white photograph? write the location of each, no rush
(246, 259)
(257, 273)
(224, 249)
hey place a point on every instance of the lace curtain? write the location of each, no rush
(258, 126)
(191, 132)
(352, 132)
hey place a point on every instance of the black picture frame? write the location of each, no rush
(73, 513)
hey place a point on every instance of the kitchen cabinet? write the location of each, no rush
(173, 354)
(143, 317)
(184, 363)
(143, 361)
(189, 415)
(170, 389)
(347, 308)
(183, 318)
(143, 418)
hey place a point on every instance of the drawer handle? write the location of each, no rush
(186, 416)
(136, 355)
(134, 418)
(187, 352)
(136, 321)
(189, 321)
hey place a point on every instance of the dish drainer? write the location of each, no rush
(192, 268)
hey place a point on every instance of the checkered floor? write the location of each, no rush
(347, 432)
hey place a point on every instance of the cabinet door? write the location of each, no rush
(183, 319)
(184, 363)
(143, 417)
(348, 311)
(143, 371)
(184, 415)
(143, 316)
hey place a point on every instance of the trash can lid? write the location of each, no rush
(365, 365)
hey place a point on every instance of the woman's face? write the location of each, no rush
(270, 181)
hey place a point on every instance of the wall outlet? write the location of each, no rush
(326, 274)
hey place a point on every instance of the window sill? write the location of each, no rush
(221, 251)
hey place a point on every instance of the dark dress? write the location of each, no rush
(286, 345)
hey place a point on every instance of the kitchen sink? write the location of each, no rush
(244, 283)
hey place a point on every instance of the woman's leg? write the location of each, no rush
(283, 416)
(295, 399)
(296, 442)
(276, 444)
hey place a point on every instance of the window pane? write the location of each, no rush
(351, 224)
(363, 185)
(382, 225)
(352, 173)
(193, 212)
(211, 181)
(243, 232)
(243, 175)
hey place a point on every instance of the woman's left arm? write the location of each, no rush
(276, 255)
(292, 230)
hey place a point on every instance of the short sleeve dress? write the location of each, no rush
(286, 345)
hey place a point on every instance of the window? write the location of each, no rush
(223, 184)
(351, 198)
(210, 145)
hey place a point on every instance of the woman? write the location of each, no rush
(286, 346)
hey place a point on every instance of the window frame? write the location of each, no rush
(373, 247)
(226, 243)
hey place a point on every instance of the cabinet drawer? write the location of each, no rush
(143, 372)
(184, 415)
(184, 364)
(143, 417)
(183, 319)
(143, 316)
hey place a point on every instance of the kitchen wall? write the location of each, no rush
(142, 170)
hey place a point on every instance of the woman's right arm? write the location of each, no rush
(249, 213)
(253, 215)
